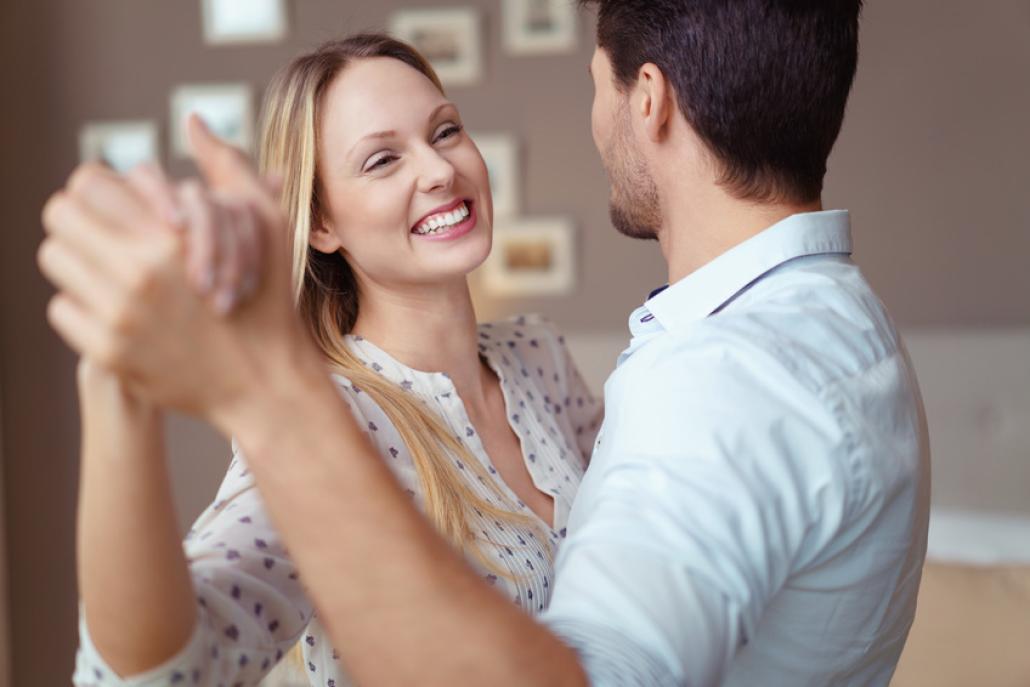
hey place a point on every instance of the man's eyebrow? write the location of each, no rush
(391, 133)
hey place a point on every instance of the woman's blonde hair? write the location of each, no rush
(326, 292)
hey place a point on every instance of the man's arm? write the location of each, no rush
(400, 604)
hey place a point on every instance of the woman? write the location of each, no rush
(488, 426)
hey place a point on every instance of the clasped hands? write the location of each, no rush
(182, 291)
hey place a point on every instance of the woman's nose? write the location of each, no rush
(437, 172)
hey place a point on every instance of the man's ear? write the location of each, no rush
(653, 101)
(322, 237)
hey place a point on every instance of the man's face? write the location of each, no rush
(634, 205)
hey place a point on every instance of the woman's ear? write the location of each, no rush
(323, 238)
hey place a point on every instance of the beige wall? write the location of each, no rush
(932, 161)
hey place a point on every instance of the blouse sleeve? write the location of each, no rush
(251, 606)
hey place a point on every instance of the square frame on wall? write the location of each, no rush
(226, 108)
(233, 22)
(120, 144)
(449, 38)
(501, 154)
(531, 257)
(539, 27)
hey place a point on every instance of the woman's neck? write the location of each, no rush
(433, 330)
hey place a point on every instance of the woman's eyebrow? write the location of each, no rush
(440, 107)
(377, 135)
(392, 133)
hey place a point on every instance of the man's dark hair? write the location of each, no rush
(764, 83)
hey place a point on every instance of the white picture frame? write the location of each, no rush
(501, 154)
(531, 257)
(539, 27)
(120, 144)
(227, 109)
(449, 38)
(233, 22)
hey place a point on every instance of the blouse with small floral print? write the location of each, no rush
(252, 605)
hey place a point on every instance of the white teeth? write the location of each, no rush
(443, 221)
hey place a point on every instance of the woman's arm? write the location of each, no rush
(133, 579)
(400, 604)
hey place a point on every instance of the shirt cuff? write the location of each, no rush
(91, 670)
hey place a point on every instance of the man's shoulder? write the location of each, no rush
(810, 330)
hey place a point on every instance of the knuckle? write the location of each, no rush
(85, 177)
(53, 210)
(53, 311)
(44, 254)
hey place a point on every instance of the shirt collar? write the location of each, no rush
(710, 287)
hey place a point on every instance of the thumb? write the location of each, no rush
(226, 168)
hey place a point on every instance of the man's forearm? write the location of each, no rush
(400, 604)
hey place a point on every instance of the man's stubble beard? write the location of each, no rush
(635, 205)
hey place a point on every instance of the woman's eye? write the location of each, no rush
(448, 132)
(381, 162)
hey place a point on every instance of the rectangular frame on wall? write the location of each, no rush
(450, 38)
(227, 108)
(236, 22)
(539, 27)
(531, 257)
(120, 144)
(501, 154)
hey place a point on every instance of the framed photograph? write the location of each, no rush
(531, 257)
(229, 22)
(226, 108)
(501, 154)
(449, 38)
(539, 27)
(119, 144)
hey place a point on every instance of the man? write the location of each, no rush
(755, 511)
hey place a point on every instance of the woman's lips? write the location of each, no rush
(450, 207)
(456, 230)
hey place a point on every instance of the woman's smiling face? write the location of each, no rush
(404, 192)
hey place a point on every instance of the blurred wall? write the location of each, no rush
(932, 161)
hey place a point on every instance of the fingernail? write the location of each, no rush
(225, 301)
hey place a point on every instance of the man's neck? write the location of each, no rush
(699, 227)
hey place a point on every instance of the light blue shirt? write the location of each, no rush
(755, 512)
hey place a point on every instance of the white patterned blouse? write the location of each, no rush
(252, 605)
